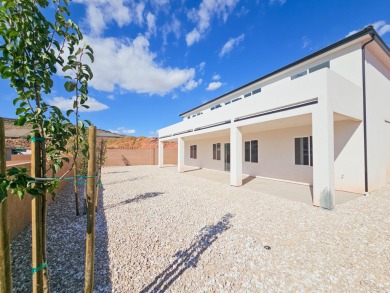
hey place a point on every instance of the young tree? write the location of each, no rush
(32, 48)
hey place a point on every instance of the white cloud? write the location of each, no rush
(130, 65)
(101, 12)
(193, 37)
(67, 104)
(139, 12)
(207, 10)
(111, 97)
(281, 2)
(190, 85)
(216, 77)
(201, 66)
(122, 130)
(172, 27)
(151, 21)
(380, 26)
(229, 45)
(214, 85)
(306, 42)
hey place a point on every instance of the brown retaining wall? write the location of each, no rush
(19, 211)
(129, 157)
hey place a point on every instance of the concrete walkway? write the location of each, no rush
(286, 190)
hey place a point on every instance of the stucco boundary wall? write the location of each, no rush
(19, 211)
(134, 157)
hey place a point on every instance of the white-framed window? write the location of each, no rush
(193, 152)
(304, 151)
(216, 151)
(251, 151)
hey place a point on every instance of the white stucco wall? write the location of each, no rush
(378, 110)
(349, 156)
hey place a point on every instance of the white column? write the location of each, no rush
(235, 156)
(323, 155)
(160, 153)
(180, 154)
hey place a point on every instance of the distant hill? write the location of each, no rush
(16, 137)
(133, 142)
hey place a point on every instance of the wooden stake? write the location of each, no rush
(76, 188)
(91, 198)
(5, 253)
(36, 218)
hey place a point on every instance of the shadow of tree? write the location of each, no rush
(124, 180)
(190, 257)
(134, 199)
(117, 172)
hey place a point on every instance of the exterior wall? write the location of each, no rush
(277, 155)
(378, 110)
(349, 156)
(128, 157)
(205, 153)
(19, 211)
(348, 64)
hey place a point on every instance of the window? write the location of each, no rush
(299, 75)
(304, 151)
(251, 151)
(216, 151)
(236, 99)
(216, 107)
(247, 95)
(193, 152)
(319, 66)
(256, 91)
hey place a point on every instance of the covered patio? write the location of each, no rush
(287, 190)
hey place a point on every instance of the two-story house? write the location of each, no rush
(323, 120)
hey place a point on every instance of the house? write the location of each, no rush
(323, 120)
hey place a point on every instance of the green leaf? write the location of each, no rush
(70, 86)
(90, 55)
(20, 121)
(69, 112)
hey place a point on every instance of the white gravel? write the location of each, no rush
(163, 231)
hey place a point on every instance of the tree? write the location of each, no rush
(32, 49)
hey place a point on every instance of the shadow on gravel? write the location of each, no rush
(117, 172)
(134, 199)
(65, 249)
(185, 259)
(124, 180)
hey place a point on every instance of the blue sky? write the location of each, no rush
(156, 59)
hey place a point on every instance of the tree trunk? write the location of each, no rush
(5, 252)
(76, 188)
(91, 197)
(36, 220)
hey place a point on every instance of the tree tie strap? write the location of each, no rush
(37, 139)
(40, 268)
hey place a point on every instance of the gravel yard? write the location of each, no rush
(158, 230)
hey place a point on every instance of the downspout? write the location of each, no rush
(365, 112)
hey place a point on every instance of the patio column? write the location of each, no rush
(180, 154)
(160, 153)
(323, 155)
(235, 156)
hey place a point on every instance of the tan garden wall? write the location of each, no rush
(19, 211)
(129, 157)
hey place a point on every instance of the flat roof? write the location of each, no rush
(369, 30)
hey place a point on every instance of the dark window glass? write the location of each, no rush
(254, 151)
(247, 95)
(247, 151)
(195, 152)
(256, 91)
(311, 151)
(214, 151)
(218, 151)
(319, 66)
(298, 75)
(302, 151)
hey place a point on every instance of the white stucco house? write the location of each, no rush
(323, 120)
